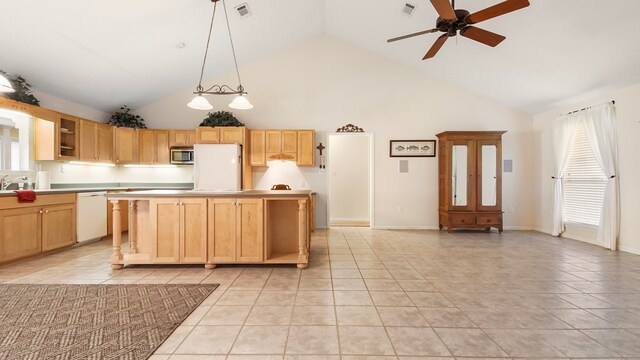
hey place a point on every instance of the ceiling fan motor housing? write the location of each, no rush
(452, 27)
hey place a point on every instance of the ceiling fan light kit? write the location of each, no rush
(240, 101)
(452, 21)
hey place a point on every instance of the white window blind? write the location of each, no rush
(584, 184)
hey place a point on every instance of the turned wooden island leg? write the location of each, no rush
(133, 227)
(116, 258)
(209, 266)
(303, 251)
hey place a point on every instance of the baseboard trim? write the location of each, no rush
(629, 250)
(518, 228)
(406, 228)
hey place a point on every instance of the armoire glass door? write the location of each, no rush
(489, 169)
(462, 173)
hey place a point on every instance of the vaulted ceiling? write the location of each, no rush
(107, 53)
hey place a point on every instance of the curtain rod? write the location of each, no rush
(613, 102)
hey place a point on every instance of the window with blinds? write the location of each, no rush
(584, 183)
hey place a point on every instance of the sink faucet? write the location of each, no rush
(5, 184)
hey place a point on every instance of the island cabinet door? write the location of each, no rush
(221, 231)
(193, 230)
(165, 228)
(249, 229)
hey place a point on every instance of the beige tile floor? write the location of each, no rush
(394, 294)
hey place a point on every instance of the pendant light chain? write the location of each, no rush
(206, 50)
(233, 50)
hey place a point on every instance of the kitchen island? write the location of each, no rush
(211, 228)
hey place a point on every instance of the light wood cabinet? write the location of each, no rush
(88, 140)
(126, 145)
(182, 137)
(180, 230)
(96, 142)
(153, 146)
(305, 149)
(58, 226)
(31, 228)
(297, 145)
(470, 179)
(68, 137)
(258, 148)
(20, 231)
(220, 135)
(235, 231)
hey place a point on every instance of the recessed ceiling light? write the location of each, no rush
(181, 45)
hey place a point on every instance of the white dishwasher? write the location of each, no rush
(91, 218)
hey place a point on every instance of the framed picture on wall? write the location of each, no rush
(412, 148)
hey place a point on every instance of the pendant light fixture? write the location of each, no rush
(240, 101)
(5, 85)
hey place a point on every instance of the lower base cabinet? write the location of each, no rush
(235, 231)
(180, 230)
(31, 229)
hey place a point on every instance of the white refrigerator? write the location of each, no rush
(217, 167)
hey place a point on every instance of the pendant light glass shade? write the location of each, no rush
(200, 103)
(5, 85)
(241, 103)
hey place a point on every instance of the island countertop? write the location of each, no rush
(151, 194)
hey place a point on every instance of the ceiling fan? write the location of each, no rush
(451, 21)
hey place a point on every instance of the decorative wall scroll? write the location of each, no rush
(350, 128)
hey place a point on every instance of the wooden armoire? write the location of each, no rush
(470, 179)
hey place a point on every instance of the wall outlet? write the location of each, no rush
(401, 209)
(510, 209)
(63, 169)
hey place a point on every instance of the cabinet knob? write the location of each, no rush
(40, 211)
(46, 211)
(462, 220)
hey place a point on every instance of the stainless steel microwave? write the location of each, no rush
(182, 156)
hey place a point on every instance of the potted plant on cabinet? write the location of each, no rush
(221, 118)
(126, 119)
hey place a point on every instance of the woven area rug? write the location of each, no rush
(92, 321)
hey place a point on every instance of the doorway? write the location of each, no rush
(350, 169)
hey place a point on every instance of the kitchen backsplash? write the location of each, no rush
(62, 173)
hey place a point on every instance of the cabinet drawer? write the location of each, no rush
(460, 219)
(488, 220)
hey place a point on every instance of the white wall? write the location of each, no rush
(324, 83)
(628, 124)
(69, 107)
(349, 183)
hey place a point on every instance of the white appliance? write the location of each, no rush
(217, 167)
(91, 218)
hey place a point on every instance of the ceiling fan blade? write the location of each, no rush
(412, 35)
(436, 47)
(496, 10)
(483, 36)
(444, 9)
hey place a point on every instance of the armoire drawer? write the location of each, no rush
(488, 220)
(460, 219)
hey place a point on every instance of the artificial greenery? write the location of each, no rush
(126, 119)
(221, 118)
(22, 90)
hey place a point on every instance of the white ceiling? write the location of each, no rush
(108, 53)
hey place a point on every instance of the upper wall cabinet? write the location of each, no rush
(182, 137)
(268, 144)
(126, 145)
(96, 142)
(153, 146)
(220, 135)
(57, 138)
